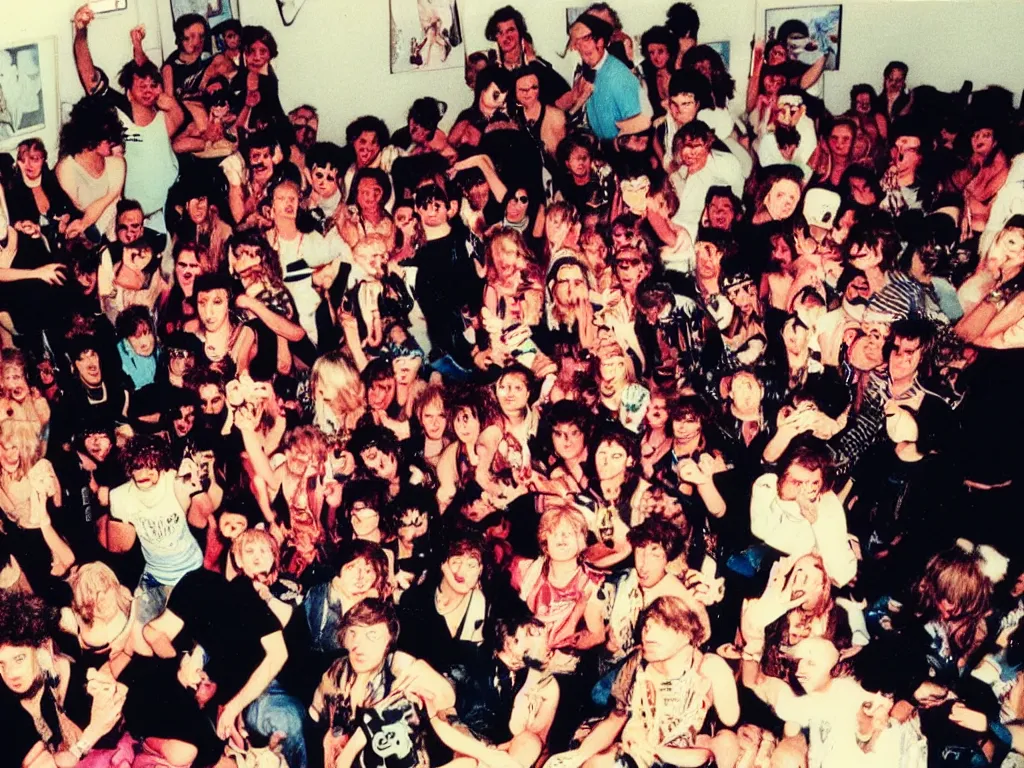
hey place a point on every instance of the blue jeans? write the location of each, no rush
(151, 597)
(276, 710)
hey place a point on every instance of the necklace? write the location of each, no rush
(437, 603)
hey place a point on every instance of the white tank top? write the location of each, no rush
(87, 189)
(152, 166)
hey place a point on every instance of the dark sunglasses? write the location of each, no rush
(521, 199)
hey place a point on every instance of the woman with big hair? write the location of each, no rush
(338, 395)
(89, 172)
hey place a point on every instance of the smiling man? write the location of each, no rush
(613, 108)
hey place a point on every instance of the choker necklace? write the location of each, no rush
(32, 184)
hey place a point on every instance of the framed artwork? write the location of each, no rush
(28, 91)
(809, 32)
(721, 47)
(214, 11)
(426, 35)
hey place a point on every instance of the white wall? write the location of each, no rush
(335, 55)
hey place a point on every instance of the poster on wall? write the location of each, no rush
(214, 11)
(809, 32)
(721, 47)
(426, 35)
(28, 91)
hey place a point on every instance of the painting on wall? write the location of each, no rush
(721, 47)
(426, 35)
(809, 32)
(28, 91)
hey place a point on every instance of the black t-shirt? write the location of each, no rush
(20, 733)
(446, 282)
(228, 619)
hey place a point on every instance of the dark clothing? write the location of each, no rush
(447, 282)
(229, 620)
(485, 691)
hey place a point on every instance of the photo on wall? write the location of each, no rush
(809, 32)
(214, 11)
(28, 91)
(426, 35)
(721, 47)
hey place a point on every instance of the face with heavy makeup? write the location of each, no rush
(369, 195)
(611, 459)
(257, 56)
(462, 572)
(366, 646)
(782, 199)
(371, 256)
(508, 37)
(570, 286)
(20, 669)
(306, 125)
(466, 426)
(213, 309)
(365, 520)
(432, 419)
(186, 269)
(906, 154)
(129, 226)
(568, 441)
(324, 180)
(590, 48)
(367, 148)
(528, 91)
(88, 368)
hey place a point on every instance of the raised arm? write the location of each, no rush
(83, 56)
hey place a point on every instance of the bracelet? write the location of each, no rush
(80, 749)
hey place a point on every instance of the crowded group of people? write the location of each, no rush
(638, 420)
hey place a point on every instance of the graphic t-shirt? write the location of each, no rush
(160, 523)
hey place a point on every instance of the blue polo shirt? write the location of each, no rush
(616, 97)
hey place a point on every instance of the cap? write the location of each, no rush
(821, 206)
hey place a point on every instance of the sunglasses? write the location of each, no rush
(521, 199)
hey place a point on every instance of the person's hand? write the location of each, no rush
(483, 359)
(83, 17)
(51, 274)
(808, 505)
(262, 590)
(245, 418)
(138, 34)
(228, 724)
(244, 301)
(690, 472)
(773, 603)
(165, 102)
(74, 229)
(107, 700)
(28, 228)
(706, 590)
(971, 719)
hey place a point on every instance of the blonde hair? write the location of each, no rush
(554, 517)
(503, 234)
(24, 435)
(433, 393)
(306, 438)
(88, 583)
(250, 536)
(372, 239)
(332, 371)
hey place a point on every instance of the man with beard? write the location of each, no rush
(505, 702)
(38, 730)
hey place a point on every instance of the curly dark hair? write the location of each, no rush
(146, 452)
(506, 13)
(89, 125)
(367, 123)
(25, 620)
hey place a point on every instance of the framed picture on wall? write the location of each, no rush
(721, 47)
(28, 91)
(214, 11)
(426, 35)
(809, 32)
